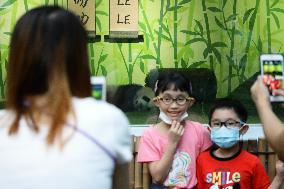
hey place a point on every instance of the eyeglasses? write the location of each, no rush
(169, 100)
(231, 124)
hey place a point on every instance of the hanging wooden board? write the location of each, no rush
(85, 10)
(123, 18)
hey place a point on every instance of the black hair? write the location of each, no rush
(227, 103)
(171, 79)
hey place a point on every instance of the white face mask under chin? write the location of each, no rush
(168, 120)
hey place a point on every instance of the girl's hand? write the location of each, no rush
(175, 132)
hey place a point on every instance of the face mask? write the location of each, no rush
(168, 120)
(224, 137)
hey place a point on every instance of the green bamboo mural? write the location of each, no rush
(227, 24)
(130, 62)
(209, 49)
(220, 35)
(271, 10)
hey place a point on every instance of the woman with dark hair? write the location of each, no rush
(53, 134)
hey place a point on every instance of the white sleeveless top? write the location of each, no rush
(26, 162)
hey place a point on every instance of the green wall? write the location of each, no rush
(226, 36)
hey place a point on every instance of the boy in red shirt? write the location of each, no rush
(230, 167)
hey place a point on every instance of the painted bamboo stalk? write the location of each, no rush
(124, 60)
(268, 27)
(175, 34)
(1, 78)
(249, 39)
(99, 63)
(208, 33)
(150, 31)
(232, 49)
(26, 5)
(129, 66)
(158, 58)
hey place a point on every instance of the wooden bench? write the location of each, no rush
(140, 177)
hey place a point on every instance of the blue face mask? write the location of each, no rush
(224, 137)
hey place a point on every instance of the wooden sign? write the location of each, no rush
(123, 19)
(85, 10)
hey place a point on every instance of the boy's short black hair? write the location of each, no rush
(227, 103)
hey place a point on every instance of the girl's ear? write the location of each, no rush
(156, 102)
(244, 129)
(191, 102)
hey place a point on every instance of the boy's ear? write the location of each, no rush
(244, 129)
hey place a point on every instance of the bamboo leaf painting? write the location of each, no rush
(142, 67)
(148, 56)
(224, 36)
(247, 14)
(184, 2)
(214, 9)
(197, 64)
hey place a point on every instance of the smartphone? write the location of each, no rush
(98, 87)
(272, 74)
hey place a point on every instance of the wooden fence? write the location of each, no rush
(141, 179)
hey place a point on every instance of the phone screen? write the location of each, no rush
(97, 91)
(272, 73)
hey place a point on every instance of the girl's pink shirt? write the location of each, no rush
(196, 139)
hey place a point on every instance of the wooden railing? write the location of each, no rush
(141, 179)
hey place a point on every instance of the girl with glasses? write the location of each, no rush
(170, 147)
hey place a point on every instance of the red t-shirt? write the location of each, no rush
(242, 171)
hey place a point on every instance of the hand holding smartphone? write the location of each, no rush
(272, 74)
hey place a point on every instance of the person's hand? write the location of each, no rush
(175, 132)
(281, 93)
(259, 92)
(279, 170)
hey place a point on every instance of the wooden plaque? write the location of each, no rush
(123, 18)
(85, 10)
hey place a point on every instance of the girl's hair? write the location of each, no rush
(233, 104)
(48, 57)
(171, 79)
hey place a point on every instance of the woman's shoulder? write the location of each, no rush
(89, 104)
(6, 118)
(99, 111)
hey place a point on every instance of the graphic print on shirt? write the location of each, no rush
(223, 179)
(179, 173)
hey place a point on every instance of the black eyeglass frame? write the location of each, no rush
(187, 99)
(225, 123)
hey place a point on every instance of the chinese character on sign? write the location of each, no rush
(84, 18)
(123, 18)
(83, 3)
(85, 10)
